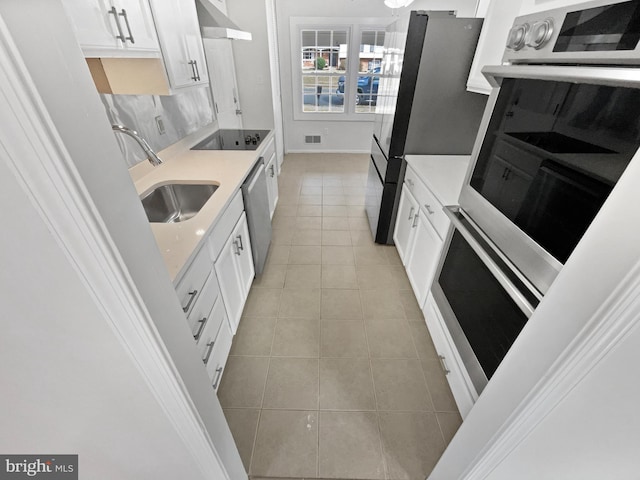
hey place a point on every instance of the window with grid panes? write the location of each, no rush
(324, 67)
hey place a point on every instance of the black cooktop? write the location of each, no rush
(232, 140)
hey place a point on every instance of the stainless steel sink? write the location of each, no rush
(176, 202)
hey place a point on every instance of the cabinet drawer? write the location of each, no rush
(269, 150)
(192, 282)
(200, 316)
(220, 354)
(223, 229)
(429, 204)
(208, 344)
(462, 389)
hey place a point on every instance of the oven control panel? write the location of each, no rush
(595, 32)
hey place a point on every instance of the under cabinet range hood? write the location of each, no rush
(215, 24)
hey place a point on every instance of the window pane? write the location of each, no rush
(369, 63)
(324, 53)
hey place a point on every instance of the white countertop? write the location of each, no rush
(443, 174)
(179, 242)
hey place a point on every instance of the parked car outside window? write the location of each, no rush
(367, 87)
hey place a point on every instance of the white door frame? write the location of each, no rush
(33, 150)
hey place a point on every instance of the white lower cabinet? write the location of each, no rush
(423, 256)
(461, 386)
(214, 342)
(235, 270)
(403, 234)
(418, 242)
(215, 286)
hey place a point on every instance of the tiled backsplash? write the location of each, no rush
(181, 114)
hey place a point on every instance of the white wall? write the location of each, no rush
(68, 385)
(54, 60)
(346, 136)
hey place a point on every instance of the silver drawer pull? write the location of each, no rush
(123, 13)
(210, 349)
(237, 252)
(415, 220)
(239, 237)
(120, 35)
(192, 294)
(410, 182)
(411, 213)
(272, 172)
(218, 375)
(202, 322)
(195, 64)
(428, 207)
(443, 364)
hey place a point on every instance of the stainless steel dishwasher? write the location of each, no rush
(256, 205)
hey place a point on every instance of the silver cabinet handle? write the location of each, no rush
(192, 294)
(195, 64)
(210, 349)
(193, 70)
(415, 220)
(218, 375)
(237, 252)
(120, 35)
(123, 13)
(239, 237)
(428, 207)
(410, 182)
(411, 213)
(443, 364)
(272, 172)
(202, 322)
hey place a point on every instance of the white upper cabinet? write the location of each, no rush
(113, 28)
(493, 38)
(181, 43)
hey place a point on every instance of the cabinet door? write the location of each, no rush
(94, 26)
(231, 287)
(407, 212)
(272, 183)
(99, 23)
(179, 36)
(423, 257)
(139, 24)
(246, 269)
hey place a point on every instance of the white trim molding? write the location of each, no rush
(610, 325)
(34, 151)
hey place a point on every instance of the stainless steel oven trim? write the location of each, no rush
(467, 355)
(514, 292)
(606, 75)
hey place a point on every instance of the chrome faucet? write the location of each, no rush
(151, 155)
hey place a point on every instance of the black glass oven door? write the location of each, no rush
(552, 153)
(482, 300)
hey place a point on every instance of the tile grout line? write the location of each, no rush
(375, 395)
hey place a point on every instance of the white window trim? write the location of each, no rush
(354, 27)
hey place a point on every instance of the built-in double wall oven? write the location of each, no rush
(561, 126)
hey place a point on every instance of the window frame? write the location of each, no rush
(354, 28)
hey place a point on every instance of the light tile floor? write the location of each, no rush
(332, 373)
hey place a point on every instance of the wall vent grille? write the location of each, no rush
(312, 139)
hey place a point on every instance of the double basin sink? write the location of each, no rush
(176, 202)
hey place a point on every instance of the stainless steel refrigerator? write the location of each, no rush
(423, 106)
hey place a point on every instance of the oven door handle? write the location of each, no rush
(611, 75)
(513, 291)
